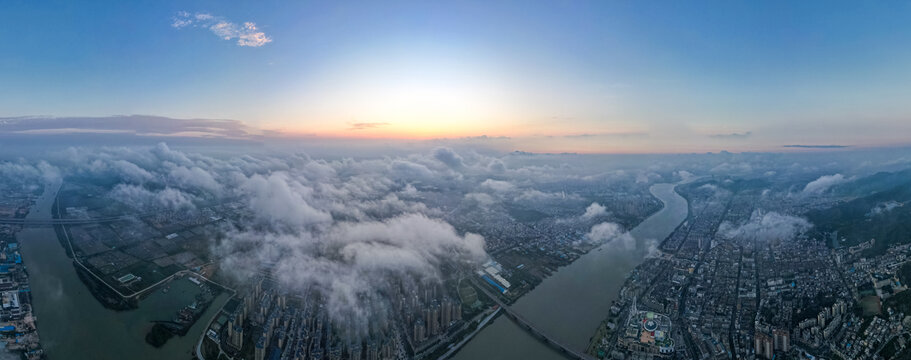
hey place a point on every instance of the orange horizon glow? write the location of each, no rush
(554, 144)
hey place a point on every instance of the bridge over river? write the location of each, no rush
(532, 329)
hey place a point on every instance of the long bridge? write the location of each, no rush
(532, 329)
(51, 222)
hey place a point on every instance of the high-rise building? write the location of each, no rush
(446, 309)
(435, 327)
(782, 339)
(456, 311)
(764, 346)
(237, 336)
(373, 352)
(420, 331)
(259, 352)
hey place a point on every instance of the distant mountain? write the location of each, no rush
(876, 183)
(882, 211)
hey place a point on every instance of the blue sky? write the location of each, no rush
(576, 76)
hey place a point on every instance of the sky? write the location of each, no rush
(565, 76)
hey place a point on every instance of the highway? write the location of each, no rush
(51, 222)
(531, 329)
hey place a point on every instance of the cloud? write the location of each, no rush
(355, 229)
(608, 231)
(533, 195)
(742, 135)
(353, 264)
(367, 125)
(736, 168)
(277, 199)
(498, 185)
(684, 175)
(607, 135)
(481, 199)
(769, 226)
(883, 208)
(247, 34)
(195, 177)
(22, 172)
(823, 183)
(144, 199)
(594, 210)
(817, 146)
(142, 125)
(496, 166)
(131, 171)
(484, 138)
(448, 157)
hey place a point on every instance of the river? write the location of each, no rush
(74, 326)
(571, 303)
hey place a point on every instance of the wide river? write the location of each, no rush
(571, 303)
(74, 326)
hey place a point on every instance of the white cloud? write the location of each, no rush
(883, 208)
(497, 185)
(353, 264)
(280, 200)
(824, 182)
(684, 175)
(708, 188)
(247, 34)
(608, 231)
(766, 227)
(594, 210)
(141, 198)
(481, 199)
(23, 172)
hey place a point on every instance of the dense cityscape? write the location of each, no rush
(744, 273)
(455, 180)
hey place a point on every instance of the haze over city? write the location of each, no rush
(455, 180)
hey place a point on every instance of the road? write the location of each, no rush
(51, 222)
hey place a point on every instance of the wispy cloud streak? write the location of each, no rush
(816, 146)
(247, 34)
(742, 135)
(367, 125)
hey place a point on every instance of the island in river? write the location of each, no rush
(74, 325)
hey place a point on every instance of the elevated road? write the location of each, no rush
(52, 222)
(532, 329)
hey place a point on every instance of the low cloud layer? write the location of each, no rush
(142, 125)
(770, 226)
(353, 263)
(883, 208)
(354, 227)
